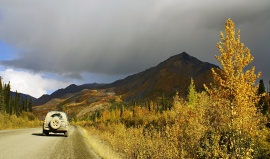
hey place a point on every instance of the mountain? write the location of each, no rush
(13, 94)
(174, 74)
(63, 91)
(163, 80)
(171, 75)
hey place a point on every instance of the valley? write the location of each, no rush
(159, 83)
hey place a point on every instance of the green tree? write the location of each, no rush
(22, 104)
(12, 106)
(25, 104)
(17, 104)
(164, 103)
(2, 101)
(30, 105)
(7, 98)
(262, 104)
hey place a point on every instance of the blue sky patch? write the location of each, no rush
(6, 51)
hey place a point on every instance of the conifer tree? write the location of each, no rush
(262, 104)
(12, 106)
(30, 105)
(17, 104)
(25, 104)
(176, 99)
(235, 92)
(7, 98)
(22, 104)
(2, 102)
(164, 105)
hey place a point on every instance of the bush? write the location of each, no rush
(25, 120)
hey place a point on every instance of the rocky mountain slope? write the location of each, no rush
(174, 74)
(166, 78)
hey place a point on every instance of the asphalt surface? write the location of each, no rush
(31, 144)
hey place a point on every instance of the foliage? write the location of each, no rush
(222, 122)
(236, 93)
(192, 94)
(13, 105)
(183, 132)
(15, 112)
(26, 120)
(262, 104)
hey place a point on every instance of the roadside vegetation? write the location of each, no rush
(227, 120)
(25, 120)
(15, 112)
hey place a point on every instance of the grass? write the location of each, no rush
(25, 120)
(103, 149)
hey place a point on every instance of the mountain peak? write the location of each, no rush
(184, 54)
(183, 57)
(168, 76)
(181, 60)
(71, 86)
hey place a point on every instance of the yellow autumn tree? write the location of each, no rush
(192, 94)
(235, 92)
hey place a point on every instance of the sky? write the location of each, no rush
(48, 45)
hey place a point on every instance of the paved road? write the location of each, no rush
(31, 144)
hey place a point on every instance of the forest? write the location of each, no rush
(15, 111)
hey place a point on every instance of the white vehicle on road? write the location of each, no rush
(56, 122)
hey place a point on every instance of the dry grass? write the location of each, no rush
(103, 149)
(26, 120)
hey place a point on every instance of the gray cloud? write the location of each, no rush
(119, 37)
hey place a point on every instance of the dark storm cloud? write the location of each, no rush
(117, 37)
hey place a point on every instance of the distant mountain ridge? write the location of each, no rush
(63, 91)
(169, 76)
(13, 94)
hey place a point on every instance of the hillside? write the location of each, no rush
(23, 95)
(164, 79)
(167, 77)
(63, 91)
(79, 104)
